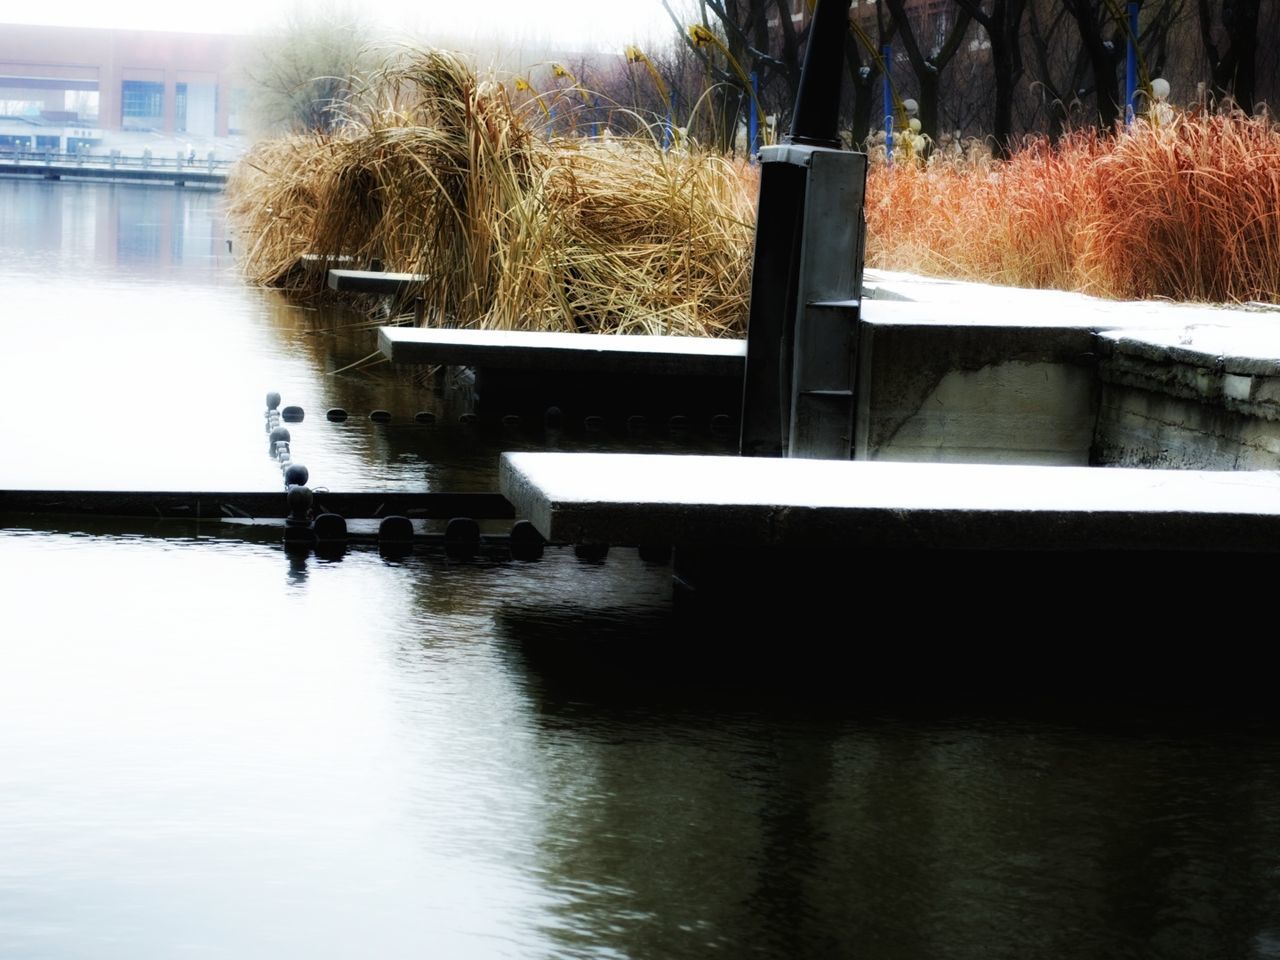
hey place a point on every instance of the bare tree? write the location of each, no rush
(1104, 46)
(863, 57)
(1232, 48)
(1002, 21)
(742, 38)
(946, 28)
(299, 78)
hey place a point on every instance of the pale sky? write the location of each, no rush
(576, 23)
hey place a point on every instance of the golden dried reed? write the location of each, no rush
(437, 172)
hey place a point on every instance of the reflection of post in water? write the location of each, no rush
(678, 824)
(297, 557)
(681, 818)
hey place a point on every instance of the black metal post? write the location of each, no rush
(815, 119)
(786, 274)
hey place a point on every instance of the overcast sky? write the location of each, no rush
(577, 23)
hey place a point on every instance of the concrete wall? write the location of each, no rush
(1064, 380)
(934, 390)
(1202, 397)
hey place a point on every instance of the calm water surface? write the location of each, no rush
(208, 748)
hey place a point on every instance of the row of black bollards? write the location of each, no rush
(339, 415)
(328, 534)
(279, 440)
(299, 528)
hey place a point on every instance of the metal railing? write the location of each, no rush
(116, 160)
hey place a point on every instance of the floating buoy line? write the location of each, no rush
(308, 526)
(326, 521)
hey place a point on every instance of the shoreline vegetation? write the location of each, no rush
(1187, 210)
(439, 172)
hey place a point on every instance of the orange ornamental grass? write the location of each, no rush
(1188, 211)
(437, 173)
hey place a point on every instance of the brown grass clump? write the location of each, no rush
(439, 173)
(436, 172)
(1188, 211)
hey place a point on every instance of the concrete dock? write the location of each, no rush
(730, 502)
(374, 281)
(593, 353)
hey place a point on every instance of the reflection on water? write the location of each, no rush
(208, 747)
(136, 358)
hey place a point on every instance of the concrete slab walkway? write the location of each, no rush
(791, 503)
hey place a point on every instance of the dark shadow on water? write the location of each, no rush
(1030, 634)
(865, 793)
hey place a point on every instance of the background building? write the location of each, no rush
(70, 88)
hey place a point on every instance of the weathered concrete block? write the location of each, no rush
(935, 387)
(1201, 396)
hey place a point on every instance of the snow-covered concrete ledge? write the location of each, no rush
(727, 502)
(956, 371)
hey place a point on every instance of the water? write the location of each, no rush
(208, 748)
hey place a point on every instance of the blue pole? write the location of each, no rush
(888, 106)
(666, 127)
(551, 123)
(1131, 66)
(595, 123)
(753, 122)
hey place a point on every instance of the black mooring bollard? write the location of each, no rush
(330, 527)
(335, 415)
(395, 529)
(299, 499)
(424, 416)
(591, 552)
(278, 441)
(395, 537)
(295, 474)
(273, 400)
(526, 542)
(380, 416)
(292, 414)
(461, 538)
(655, 552)
(298, 537)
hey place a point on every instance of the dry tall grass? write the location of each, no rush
(436, 172)
(1188, 211)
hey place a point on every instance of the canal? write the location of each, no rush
(209, 748)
